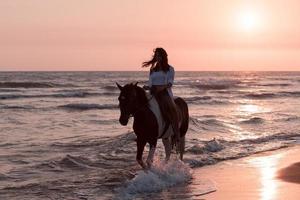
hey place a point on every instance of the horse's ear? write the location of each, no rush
(136, 84)
(119, 86)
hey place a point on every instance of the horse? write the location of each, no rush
(133, 102)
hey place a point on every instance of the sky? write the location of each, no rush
(114, 35)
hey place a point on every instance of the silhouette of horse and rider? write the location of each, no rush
(158, 114)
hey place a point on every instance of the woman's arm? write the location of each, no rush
(170, 76)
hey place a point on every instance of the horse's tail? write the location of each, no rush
(185, 115)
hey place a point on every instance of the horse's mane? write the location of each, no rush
(141, 95)
(140, 92)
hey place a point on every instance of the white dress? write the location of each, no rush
(162, 78)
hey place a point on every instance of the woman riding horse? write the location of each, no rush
(161, 79)
(134, 102)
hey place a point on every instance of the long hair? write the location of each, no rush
(158, 65)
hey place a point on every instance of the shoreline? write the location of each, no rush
(269, 175)
(254, 177)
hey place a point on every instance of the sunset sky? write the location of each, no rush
(121, 34)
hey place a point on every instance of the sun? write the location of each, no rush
(248, 21)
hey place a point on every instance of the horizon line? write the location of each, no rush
(148, 70)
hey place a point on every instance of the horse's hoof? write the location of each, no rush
(149, 165)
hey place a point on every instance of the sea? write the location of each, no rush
(60, 137)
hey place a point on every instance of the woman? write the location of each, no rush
(161, 79)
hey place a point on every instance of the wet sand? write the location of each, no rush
(290, 173)
(268, 176)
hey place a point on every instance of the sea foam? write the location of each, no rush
(162, 175)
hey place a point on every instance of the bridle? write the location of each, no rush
(140, 107)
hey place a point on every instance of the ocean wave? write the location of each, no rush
(227, 150)
(7, 144)
(82, 143)
(65, 163)
(212, 122)
(210, 146)
(207, 122)
(9, 90)
(32, 85)
(17, 96)
(111, 88)
(74, 94)
(292, 118)
(24, 107)
(206, 100)
(260, 95)
(74, 162)
(109, 94)
(268, 95)
(217, 145)
(109, 150)
(290, 94)
(83, 106)
(253, 120)
(217, 85)
(204, 125)
(196, 98)
(212, 86)
(4, 177)
(275, 137)
(234, 153)
(275, 84)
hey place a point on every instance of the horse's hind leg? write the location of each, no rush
(168, 147)
(181, 147)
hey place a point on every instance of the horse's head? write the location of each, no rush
(128, 101)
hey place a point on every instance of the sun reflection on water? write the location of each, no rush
(268, 167)
(239, 132)
(249, 107)
(247, 110)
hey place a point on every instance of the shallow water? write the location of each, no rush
(61, 139)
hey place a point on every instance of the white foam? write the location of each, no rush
(297, 140)
(214, 146)
(161, 175)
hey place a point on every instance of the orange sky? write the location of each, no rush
(120, 34)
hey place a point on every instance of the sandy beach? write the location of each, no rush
(271, 175)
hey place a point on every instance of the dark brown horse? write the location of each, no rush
(134, 102)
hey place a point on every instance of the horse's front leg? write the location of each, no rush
(151, 154)
(168, 147)
(139, 155)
